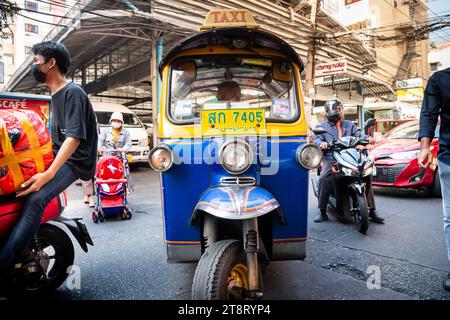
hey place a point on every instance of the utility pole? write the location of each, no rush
(154, 82)
(310, 64)
(315, 9)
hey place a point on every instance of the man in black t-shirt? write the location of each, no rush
(74, 136)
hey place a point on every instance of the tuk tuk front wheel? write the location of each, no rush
(221, 273)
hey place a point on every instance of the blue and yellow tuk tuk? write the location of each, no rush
(233, 154)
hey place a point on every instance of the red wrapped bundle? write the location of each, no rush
(25, 148)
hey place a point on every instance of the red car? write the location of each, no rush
(396, 160)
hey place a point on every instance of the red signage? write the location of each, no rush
(349, 2)
(335, 67)
(41, 107)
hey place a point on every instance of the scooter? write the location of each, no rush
(351, 171)
(46, 262)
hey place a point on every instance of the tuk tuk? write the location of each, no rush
(233, 154)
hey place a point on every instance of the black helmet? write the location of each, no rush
(333, 109)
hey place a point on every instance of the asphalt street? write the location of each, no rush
(408, 253)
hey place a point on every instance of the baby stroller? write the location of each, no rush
(112, 181)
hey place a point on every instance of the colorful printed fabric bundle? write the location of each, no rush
(25, 148)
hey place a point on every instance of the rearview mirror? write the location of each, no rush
(189, 69)
(281, 71)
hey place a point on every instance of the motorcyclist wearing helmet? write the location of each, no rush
(336, 128)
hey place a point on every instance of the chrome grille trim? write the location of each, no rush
(237, 181)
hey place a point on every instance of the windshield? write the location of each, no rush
(129, 119)
(409, 130)
(232, 83)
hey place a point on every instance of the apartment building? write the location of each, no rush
(30, 26)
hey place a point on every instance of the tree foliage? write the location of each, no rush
(7, 11)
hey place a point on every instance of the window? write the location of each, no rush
(31, 6)
(31, 28)
(434, 66)
(231, 83)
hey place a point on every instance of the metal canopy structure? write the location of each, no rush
(111, 42)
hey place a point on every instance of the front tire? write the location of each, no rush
(221, 267)
(361, 212)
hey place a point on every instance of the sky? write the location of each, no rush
(440, 7)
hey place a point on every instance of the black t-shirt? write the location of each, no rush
(73, 116)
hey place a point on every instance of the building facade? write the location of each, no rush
(392, 31)
(30, 26)
(439, 57)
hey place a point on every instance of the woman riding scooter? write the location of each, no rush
(336, 128)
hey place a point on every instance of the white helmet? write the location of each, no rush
(116, 116)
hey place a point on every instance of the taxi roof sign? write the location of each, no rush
(229, 18)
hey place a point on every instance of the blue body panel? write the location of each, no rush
(290, 187)
(184, 185)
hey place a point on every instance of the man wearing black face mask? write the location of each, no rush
(74, 137)
(337, 128)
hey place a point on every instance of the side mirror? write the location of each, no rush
(319, 130)
(370, 123)
(368, 127)
(145, 126)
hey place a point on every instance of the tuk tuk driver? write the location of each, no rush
(229, 91)
(337, 128)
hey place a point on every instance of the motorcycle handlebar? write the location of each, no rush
(362, 142)
(112, 152)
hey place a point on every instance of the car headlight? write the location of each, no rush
(309, 156)
(143, 142)
(236, 156)
(405, 155)
(161, 158)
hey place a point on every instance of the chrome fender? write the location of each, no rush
(236, 203)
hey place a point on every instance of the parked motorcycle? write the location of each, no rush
(46, 262)
(352, 169)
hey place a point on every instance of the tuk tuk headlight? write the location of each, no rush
(161, 158)
(309, 156)
(236, 156)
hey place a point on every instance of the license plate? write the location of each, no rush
(233, 122)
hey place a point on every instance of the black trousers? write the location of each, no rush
(30, 220)
(328, 186)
